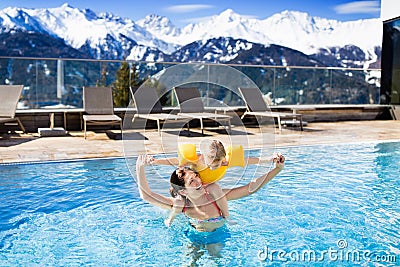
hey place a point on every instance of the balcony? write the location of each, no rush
(54, 86)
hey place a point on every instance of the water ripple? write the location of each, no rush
(90, 213)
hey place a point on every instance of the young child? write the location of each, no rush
(214, 160)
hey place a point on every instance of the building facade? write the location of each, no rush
(390, 64)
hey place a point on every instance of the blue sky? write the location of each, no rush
(183, 12)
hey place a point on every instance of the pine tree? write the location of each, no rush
(103, 80)
(126, 78)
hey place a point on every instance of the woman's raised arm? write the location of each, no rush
(256, 184)
(144, 189)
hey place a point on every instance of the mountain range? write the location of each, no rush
(286, 38)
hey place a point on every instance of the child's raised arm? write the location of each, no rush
(166, 161)
(260, 160)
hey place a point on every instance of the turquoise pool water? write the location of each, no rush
(332, 205)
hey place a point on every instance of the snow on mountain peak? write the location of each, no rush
(293, 29)
(154, 20)
(81, 27)
(66, 6)
(229, 15)
(158, 25)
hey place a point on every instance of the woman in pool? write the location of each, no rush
(190, 197)
(211, 165)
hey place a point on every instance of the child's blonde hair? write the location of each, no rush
(213, 150)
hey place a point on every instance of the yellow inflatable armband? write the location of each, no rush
(187, 153)
(235, 155)
(209, 176)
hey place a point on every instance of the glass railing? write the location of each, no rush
(58, 83)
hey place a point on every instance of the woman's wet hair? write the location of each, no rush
(177, 181)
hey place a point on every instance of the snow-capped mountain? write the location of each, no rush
(160, 26)
(79, 27)
(155, 38)
(293, 29)
(240, 51)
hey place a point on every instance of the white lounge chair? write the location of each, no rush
(9, 96)
(395, 111)
(99, 107)
(149, 108)
(256, 106)
(191, 106)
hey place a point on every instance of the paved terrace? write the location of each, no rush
(30, 147)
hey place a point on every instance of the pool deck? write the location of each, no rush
(15, 147)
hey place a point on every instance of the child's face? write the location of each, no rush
(215, 164)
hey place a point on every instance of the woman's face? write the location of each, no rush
(192, 181)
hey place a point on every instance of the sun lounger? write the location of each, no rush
(256, 106)
(149, 108)
(191, 106)
(99, 107)
(9, 96)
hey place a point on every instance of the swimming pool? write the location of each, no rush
(332, 203)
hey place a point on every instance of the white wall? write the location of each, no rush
(390, 9)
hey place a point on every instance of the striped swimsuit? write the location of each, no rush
(195, 222)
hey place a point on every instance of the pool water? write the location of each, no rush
(332, 205)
